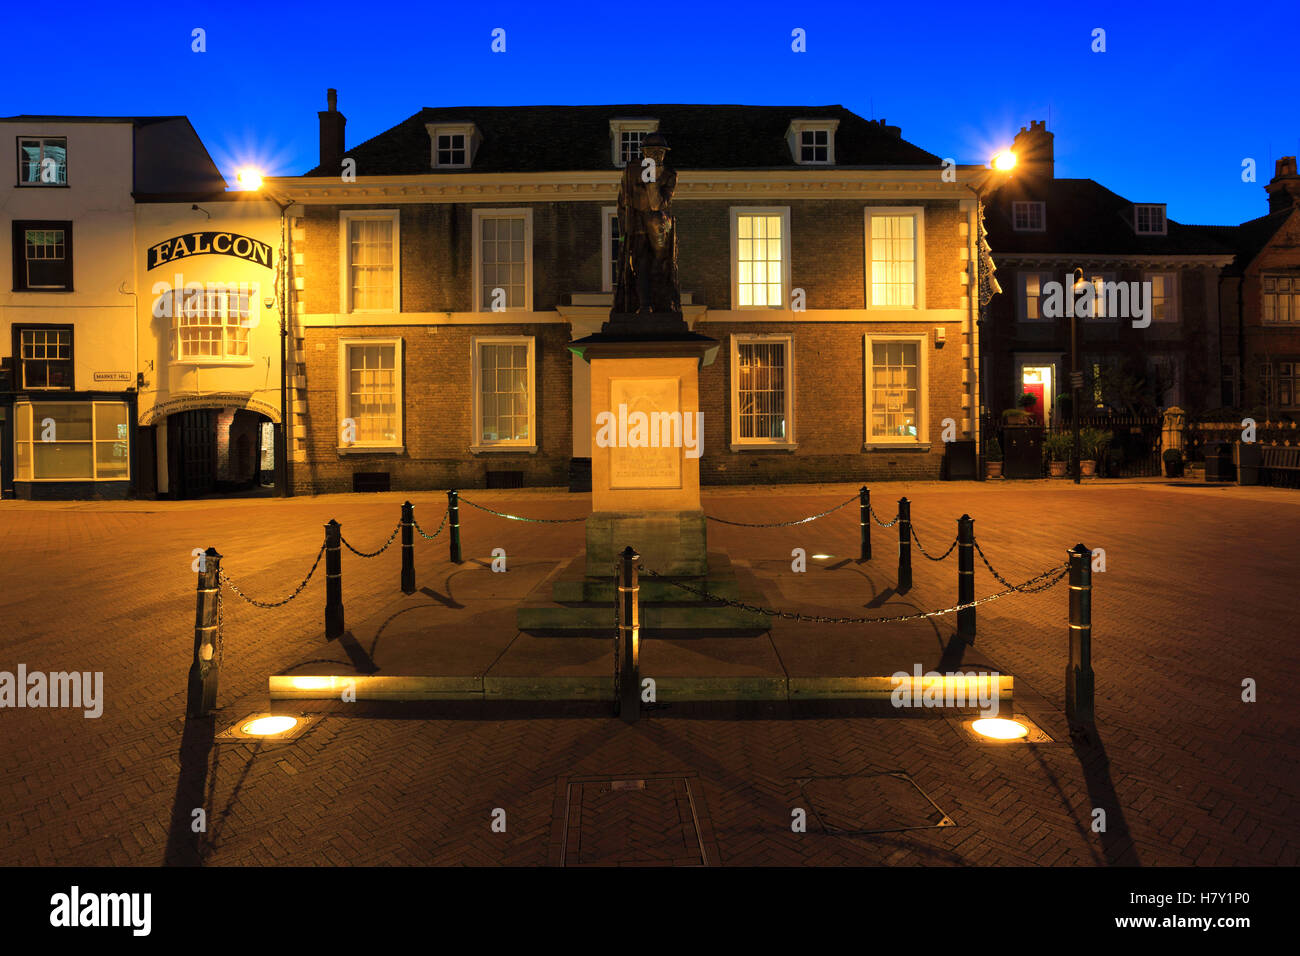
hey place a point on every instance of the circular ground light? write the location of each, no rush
(999, 728)
(269, 726)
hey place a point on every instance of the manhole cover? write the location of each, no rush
(633, 820)
(872, 803)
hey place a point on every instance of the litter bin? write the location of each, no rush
(1249, 456)
(1218, 462)
(959, 460)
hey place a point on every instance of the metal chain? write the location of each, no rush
(881, 523)
(926, 553)
(221, 645)
(501, 514)
(226, 578)
(999, 578)
(1027, 588)
(429, 537)
(372, 554)
(783, 524)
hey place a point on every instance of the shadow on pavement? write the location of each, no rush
(1116, 841)
(184, 846)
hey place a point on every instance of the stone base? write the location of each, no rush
(670, 542)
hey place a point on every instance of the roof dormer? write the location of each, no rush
(1149, 219)
(812, 141)
(625, 138)
(453, 145)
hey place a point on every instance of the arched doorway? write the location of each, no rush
(216, 451)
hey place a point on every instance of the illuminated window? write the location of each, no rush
(210, 324)
(1031, 294)
(762, 397)
(72, 441)
(894, 252)
(1028, 216)
(42, 161)
(371, 261)
(504, 406)
(760, 243)
(371, 393)
(1164, 296)
(1149, 219)
(1281, 299)
(503, 260)
(896, 385)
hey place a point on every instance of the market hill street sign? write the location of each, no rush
(210, 243)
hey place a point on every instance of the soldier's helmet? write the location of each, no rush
(654, 140)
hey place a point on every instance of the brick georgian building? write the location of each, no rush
(829, 257)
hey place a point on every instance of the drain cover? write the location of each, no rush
(646, 820)
(872, 803)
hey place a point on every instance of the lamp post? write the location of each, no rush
(983, 184)
(252, 179)
(1076, 377)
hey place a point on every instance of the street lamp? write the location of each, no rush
(251, 179)
(1076, 377)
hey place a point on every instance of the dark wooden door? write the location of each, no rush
(198, 452)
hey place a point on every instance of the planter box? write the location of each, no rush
(1057, 469)
(992, 469)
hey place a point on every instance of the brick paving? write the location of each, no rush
(1199, 594)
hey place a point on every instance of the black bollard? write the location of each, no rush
(408, 548)
(1078, 672)
(904, 546)
(333, 580)
(453, 518)
(966, 577)
(202, 690)
(629, 621)
(864, 522)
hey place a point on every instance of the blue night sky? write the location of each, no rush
(1183, 93)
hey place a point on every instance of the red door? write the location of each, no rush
(1035, 389)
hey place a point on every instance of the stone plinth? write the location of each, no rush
(670, 542)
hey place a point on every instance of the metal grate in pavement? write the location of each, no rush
(871, 803)
(632, 820)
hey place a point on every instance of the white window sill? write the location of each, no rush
(755, 446)
(480, 449)
(896, 446)
(371, 449)
(211, 363)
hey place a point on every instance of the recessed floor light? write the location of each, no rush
(1018, 729)
(999, 728)
(270, 728)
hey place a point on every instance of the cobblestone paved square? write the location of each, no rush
(1198, 595)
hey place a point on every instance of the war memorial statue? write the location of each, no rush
(647, 282)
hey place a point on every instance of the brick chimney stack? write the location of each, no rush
(1035, 151)
(331, 134)
(1284, 188)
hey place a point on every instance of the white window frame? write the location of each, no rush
(786, 283)
(468, 130)
(789, 443)
(800, 126)
(1174, 310)
(345, 395)
(1138, 208)
(43, 140)
(608, 216)
(515, 212)
(1027, 206)
(28, 408)
(1093, 276)
(20, 364)
(619, 126)
(918, 215)
(478, 445)
(345, 253)
(225, 358)
(922, 439)
(1022, 303)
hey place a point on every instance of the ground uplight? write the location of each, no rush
(999, 728)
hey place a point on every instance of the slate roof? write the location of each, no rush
(1249, 239)
(1086, 218)
(572, 138)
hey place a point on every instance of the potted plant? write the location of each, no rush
(1173, 459)
(993, 460)
(1020, 414)
(1094, 442)
(1056, 449)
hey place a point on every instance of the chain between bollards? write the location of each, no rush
(904, 546)
(864, 522)
(204, 671)
(629, 596)
(1078, 672)
(333, 580)
(966, 577)
(453, 512)
(408, 548)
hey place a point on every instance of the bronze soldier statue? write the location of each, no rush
(647, 265)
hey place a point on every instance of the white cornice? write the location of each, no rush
(1093, 259)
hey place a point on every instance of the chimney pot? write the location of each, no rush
(332, 123)
(332, 97)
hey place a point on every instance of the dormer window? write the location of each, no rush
(453, 144)
(626, 137)
(812, 142)
(1029, 216)
(1149, 219)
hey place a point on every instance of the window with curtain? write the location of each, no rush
(370, 264)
